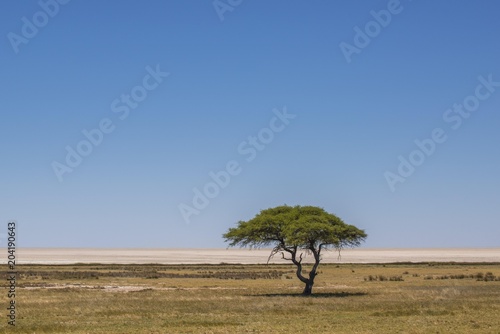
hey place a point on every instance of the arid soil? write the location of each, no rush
(246, 256)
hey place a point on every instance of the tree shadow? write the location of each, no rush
(315, 295)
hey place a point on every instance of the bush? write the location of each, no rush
(488, 277)
(382, 278)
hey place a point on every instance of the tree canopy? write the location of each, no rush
(292, 230)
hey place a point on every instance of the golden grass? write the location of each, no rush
(256, 299)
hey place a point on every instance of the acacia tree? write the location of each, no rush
(293, 231)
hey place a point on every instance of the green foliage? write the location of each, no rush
(305, 227)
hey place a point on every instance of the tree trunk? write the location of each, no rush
(314, 271)
(308, 289)
(309, 283)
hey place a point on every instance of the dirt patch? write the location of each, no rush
(114, 288)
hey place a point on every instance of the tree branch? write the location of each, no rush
(275, 251)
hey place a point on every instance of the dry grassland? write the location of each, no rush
(348, 298)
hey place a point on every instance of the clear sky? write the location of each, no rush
(353, 90)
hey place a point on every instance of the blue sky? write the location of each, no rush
(353, 120)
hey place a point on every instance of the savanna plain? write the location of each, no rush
(232, 298)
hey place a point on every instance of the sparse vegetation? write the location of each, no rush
(459, 298)
(382, 278)
(488, 277)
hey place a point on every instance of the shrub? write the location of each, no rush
(382, 278)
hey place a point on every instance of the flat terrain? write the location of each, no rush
(229, 298)
(216, 256)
